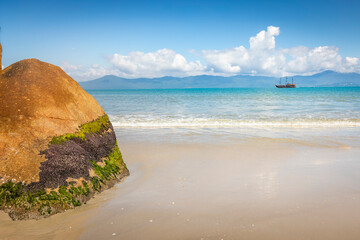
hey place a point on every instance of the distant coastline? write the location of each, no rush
(323, 79)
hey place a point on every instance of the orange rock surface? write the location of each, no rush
(37, 101)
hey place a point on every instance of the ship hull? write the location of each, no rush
(286, 86)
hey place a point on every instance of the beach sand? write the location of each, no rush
(253, 188)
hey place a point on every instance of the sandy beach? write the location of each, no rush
(202, 186)
(179, 120)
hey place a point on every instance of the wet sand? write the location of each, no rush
(258, 188)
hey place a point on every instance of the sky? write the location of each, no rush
(90, 39)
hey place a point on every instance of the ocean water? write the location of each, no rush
(232, 108)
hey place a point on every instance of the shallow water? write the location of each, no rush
(232, 108)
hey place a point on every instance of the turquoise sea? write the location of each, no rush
(232, 108)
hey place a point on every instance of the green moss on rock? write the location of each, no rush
(16, 196)
(20, 202)
(112, 165)
(96, 126)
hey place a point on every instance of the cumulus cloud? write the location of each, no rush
(82, 73)
(265, 39)
(315, 59)
(262, 57)
(155, 64)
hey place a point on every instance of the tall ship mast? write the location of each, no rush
(287, 84)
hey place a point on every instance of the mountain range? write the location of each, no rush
(323, 79)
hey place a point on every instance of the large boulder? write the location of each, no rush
(57, 145)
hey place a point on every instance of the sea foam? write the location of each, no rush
(138, 122)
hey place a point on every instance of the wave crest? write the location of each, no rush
(143, 122)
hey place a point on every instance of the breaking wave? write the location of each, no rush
(147, 122)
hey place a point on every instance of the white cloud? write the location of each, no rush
(82, 73)
(261, 58)
(67, 67)
(155, 64)
(229, 60)
(265, 39)
(351, 61)
(315, 60)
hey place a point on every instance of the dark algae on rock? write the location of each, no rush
(76, 168)
(57, 145)
(69, 155)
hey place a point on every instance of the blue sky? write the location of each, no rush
(156, 38)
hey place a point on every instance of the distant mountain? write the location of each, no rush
(323, 79)
(329, 79)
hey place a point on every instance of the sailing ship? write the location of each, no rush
(287, 84)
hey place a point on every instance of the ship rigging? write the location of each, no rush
(287, 84)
